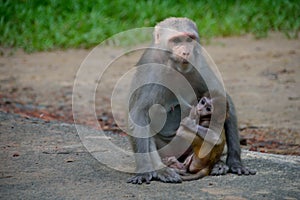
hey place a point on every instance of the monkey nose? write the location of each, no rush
(186, 53)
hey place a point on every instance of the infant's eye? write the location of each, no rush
(202, 101)
(208, 109)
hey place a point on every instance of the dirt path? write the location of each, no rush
(262, 76)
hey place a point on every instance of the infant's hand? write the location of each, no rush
(193, 113)
(189, 124)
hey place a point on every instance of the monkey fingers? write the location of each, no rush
(193, 113)
(189, 124)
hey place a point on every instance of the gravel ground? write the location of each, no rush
(46, 160)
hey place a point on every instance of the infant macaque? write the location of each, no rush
(200, 163)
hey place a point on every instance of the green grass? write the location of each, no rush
(36, 25)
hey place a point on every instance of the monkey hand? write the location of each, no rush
(166, 175)
(189, 124)
(193, 113)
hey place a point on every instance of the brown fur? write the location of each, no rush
(200, 163)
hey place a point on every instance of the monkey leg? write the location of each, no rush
(149, 165)
(233, 144)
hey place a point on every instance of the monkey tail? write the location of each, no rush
(196, 176)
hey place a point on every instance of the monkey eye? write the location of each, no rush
(176, 40)
(202, 101)
(189, 39)
(208, 109)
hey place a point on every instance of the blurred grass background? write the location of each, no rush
(36, 25)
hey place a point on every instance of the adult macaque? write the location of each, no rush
(175, 44)
(201, 161)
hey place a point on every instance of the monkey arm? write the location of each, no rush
(209, 135)
(206, 134)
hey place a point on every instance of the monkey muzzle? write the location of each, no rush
(185, 62)
(185, 66)
(181, 64)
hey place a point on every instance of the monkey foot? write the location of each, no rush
(220, 168)
(140, 178)
(166, 175)
(239, 169)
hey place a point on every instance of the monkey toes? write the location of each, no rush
(241, 170)
(140, 178)
(166, 175)
(220, 168)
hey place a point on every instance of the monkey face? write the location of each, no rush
(205, 107)
(182, 48)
